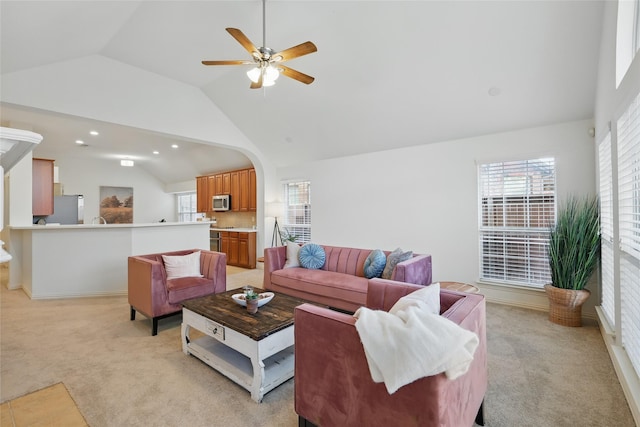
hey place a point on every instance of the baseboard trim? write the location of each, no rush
(533, 299)
(627, 376)
(87, 295)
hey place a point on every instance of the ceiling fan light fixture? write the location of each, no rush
(271, 73)
(254, 74)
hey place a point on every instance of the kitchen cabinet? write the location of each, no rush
(218, 180)
(239, 184)
(235, 191)
(224, 243)
(244, 190)
(203, 200)
(42, 187)
(253, 194)
(240, 248)
(226, 183)
(211, 188)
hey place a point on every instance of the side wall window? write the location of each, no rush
(297, 212)
(517, 205)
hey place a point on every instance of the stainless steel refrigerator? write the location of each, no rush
(67, 210)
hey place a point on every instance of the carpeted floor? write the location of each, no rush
(540, 374)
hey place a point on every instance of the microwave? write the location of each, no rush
(221, 202)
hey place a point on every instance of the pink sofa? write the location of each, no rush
(340, 283)
(333, 385)
(151, 294)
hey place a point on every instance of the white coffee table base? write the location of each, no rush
(258, 366)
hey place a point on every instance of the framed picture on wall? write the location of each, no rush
(116, 204)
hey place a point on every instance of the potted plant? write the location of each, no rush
(574, 249)
(251, 298)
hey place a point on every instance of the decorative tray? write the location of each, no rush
(263, 298)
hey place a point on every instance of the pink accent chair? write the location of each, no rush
(151, 294)
(333, 385)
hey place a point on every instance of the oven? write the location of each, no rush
(214, 240)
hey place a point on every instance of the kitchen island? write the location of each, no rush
(62, 261)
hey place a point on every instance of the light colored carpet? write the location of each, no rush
(119, 375)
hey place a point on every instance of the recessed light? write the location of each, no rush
(156, 152)
(79, 141)
(94, 133)
(126, 162)
(174, 146)
(494, 91)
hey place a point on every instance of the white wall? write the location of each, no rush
(424, 198)
(150, 201)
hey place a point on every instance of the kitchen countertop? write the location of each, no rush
(237, 229)
(99, 226)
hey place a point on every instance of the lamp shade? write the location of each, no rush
(274, 209)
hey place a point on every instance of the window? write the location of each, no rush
(187, 207)
(627, 37)
(636, 28)
(628, 148)
(517, 206)
(606, 229)
(297, 211)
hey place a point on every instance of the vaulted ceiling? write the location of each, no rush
(389, 74)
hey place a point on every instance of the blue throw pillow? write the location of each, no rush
(312, 256)
(374, 264)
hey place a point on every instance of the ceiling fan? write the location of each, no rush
(268, 62)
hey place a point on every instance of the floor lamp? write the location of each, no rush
(274, 209)
(276, 234)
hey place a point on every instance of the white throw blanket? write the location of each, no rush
(413, 343)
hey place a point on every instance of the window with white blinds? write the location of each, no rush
(628, 147)
(629, 179)
(297, 211)
(606, 229)
(187, 207)
(517, 207)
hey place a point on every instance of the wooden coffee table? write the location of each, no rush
(253, 350)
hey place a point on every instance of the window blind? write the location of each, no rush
(517, 207)
(297, 215)
(187, 207)
(606, 229)
(629, 179)
(628, 145)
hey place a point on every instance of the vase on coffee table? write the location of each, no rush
(252, 302)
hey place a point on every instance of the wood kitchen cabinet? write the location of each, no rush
(203, 200)
(218, 180)
(240, 248)
(245, 191)
(42, 187)
(235, 191)
(253, 194)
(226, 183)
(239, 184)
(211, 187)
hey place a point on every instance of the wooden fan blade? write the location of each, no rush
(231, 62)
(296, 75)
(244, 41)
(258, 84)
(294, 52)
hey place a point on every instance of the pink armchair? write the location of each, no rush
(151, 294)
(333, 385)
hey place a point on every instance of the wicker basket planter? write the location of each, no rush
(565, 305)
